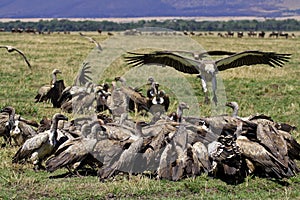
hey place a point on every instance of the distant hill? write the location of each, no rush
(146, 8)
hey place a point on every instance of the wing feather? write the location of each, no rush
(11, 49)
(178, 62)
(252, 58)
(83, 76)
(23, 55)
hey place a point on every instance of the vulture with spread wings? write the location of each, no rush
(92, 40)
(11, 49)
(207, 69)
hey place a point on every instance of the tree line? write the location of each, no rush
(174, 24)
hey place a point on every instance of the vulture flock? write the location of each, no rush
(170, 145)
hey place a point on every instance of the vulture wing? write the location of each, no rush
(92, 40)
(23, 55)
(211, 53)
(55, 92)
(11, 49)
(82, 78)
(178, 62)
(219, 53)
(252, 58)
(29, 146)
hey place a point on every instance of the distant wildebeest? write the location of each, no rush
(274, 34)
(252, 33)
(230, 34)
(220, 35)
(286, 35)
(240, 34)
(18, 30)
(30, 30)
(261, 34)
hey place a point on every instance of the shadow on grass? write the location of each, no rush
(79, 173)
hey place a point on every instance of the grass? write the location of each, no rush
(258, 89)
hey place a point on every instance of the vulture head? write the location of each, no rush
(8, 110)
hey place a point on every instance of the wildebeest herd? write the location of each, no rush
(106, 135)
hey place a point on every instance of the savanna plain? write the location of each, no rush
(257, 89)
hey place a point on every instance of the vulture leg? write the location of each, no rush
(136, 109)
(37, 166)
(214, 88)
(204, 88)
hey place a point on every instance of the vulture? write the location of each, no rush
(235, 107)
(11, 49)
(92, 40)
(177, 116)
(7, 121)
(45, 124)
(41, 146)
(136, 100)
(117, 101)
(207, 69)
(82, 99)
(259, 159)
(75, 152)
(22, 130)
(158, 100)
(51, 92)
(15, 127)
(125, 160)
(81, 79)
(153, 88)
(162, 99)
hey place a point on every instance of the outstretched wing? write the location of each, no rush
(23, 55)
(178, 62)
(252, 58)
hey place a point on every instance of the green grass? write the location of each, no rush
(258, 89)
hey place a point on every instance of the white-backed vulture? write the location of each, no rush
(207, 69)
(21, 131)
(7, 121)
(12, 49)
(73, 152)
(260, 160)
(136, 100)
(177, 117)
(52, 91)
(235, 107)
(120, 158)
(39, 147)
(92, 40)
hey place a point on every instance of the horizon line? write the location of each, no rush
(158, 18)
